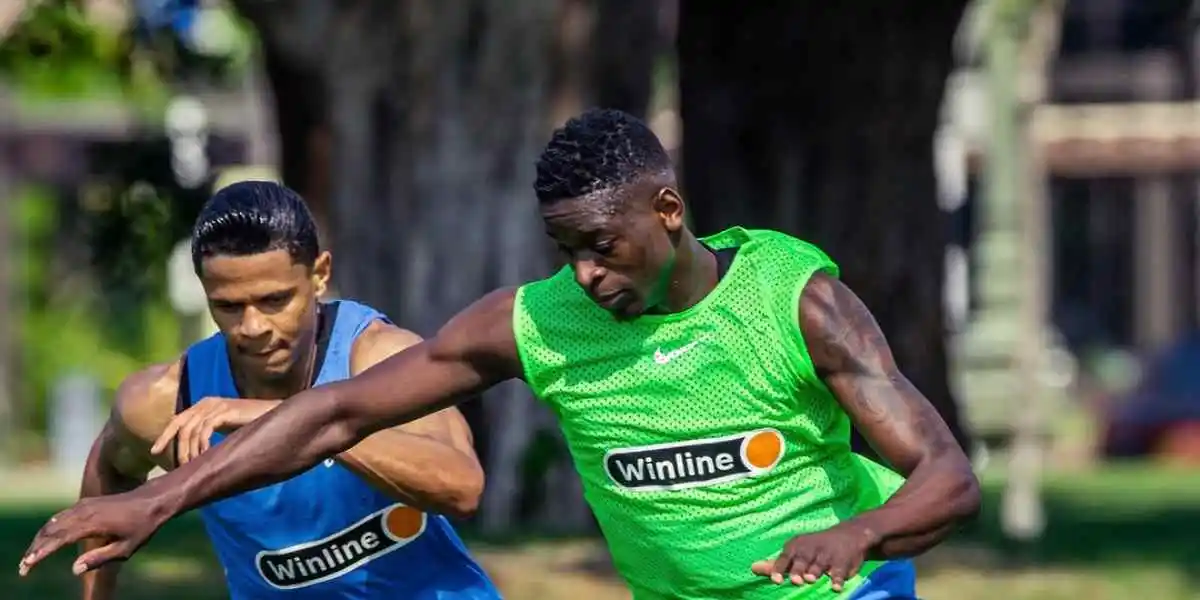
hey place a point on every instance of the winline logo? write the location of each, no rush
(679, 465)
(314, 562)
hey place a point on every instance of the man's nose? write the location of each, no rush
(254, 323)
(588, 274)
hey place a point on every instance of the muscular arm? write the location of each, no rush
(429, 463)
(471, 353)
(120, 458)
(852, 357)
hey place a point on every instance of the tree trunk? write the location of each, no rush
(605, 53)
(818, 119)
(628, 43)
(303, 131)
(437, 112)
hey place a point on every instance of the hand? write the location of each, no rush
(195, 426)
(839, 551)
(125, 521)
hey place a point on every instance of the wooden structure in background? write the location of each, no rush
(1124, 125)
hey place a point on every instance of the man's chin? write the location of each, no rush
(627, 312)
(269, 369)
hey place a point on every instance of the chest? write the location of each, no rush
(719, 376)
(327, 495)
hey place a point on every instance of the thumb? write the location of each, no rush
(98, 557)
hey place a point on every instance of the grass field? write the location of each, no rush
(1113, 534)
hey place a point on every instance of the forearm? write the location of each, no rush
(418, 470)
(282, 443)
(318, 424)
(937, 497)
(101, 479)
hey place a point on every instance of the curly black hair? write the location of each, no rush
(252, 217)
(597, 150)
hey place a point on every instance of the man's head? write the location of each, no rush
(607, 194)
(255, 249)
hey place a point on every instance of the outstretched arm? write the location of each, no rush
(120, 458)
(429, 463)
(852, 356)
(472, 352)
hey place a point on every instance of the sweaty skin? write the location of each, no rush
(852, 357)
(429, 463)
(477, 350)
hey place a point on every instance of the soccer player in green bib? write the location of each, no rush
(705, 387)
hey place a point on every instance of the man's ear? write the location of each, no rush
(321, 271)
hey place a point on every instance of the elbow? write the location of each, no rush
(465, 495)
(959, 497)
(968, 496)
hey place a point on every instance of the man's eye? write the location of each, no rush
(604, 248)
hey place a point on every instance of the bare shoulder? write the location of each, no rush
(482, 333)
(145, 401)
(839, 330)
(379, 341)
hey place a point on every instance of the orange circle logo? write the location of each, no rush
(763, 449)
(404, 522)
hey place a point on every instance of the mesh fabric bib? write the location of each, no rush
(704, 438)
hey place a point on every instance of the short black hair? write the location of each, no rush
(597, 150)
(252, 217)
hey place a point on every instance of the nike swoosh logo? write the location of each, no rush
(663, 358)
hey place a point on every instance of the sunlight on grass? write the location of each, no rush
(1057, 584)
(157, 569)
(1120, 532)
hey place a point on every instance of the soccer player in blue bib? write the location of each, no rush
(365, 524)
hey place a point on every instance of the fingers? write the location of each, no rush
(802, 566)
(204, 433)
(837, 578)
(168, 434)
(189, 439)
(809, 570)
(840, 573)
(791, 564)
(98, 557)
(62, 529)
(763, 568)
(192, 432)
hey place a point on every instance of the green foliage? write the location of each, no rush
(70, 324)
(56, 52)
(92, 273)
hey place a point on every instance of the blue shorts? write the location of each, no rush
(896, 580)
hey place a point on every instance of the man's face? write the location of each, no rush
(265, 305)
(620, 243)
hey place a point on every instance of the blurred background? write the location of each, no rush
(1011, 185)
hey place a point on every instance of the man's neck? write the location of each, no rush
(296, 380)
(693, 277)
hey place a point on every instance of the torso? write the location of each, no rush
(703, 438)
(326, 533)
